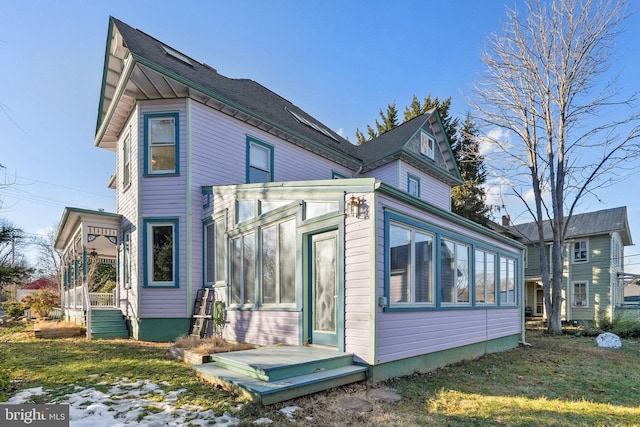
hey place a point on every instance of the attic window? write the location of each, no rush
(312, 125)
(176, 55)
(427, 145)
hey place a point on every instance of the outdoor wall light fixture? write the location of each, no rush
(357, 207)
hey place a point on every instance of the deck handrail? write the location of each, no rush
(102, 299)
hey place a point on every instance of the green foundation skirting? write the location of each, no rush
(439, 359)
(160, 330)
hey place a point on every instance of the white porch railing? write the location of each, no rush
(80, 298)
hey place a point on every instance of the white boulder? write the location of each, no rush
(609, 340)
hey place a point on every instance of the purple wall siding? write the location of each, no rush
(387, 174)
(406, 334)
(127, 206)
(433, 191)
(358, 290)
(263, 327)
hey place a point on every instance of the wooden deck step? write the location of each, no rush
(108, 323)
(269, 392)
(280, 362)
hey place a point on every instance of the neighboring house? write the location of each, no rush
(35, 286)
(593, 274)
(307, 238)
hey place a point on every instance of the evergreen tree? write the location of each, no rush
(469, 199)
(13, 268)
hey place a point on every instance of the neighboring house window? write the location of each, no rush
(161, 133)
(215, 255)
(278, 262)
(126, 161)
(454, 272)
(580, 294)
(243, 269)
(161, 252)
(411, 271)
(413, 185)
(126, 259)
(427, 145)
(259, 161)
(507, 280)
(581, 251)
(485, 277)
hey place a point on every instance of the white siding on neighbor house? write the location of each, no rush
(406, 334)
(127, 206)
(358, 291)
(432, 190)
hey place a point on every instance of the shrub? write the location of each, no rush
(42, 302)
(5, 385)
(15, 309)
(108, 286)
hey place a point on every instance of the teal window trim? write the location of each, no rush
(148, 224)
(126, 161)
(398, 218)
(126, 258)
(251, 141)
(414, 178)
(147, 142)
(425, 150)
(338, 175)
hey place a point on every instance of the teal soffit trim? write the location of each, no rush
(143, 61)
(105, 69)
(457, 219)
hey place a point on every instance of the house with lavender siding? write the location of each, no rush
(308, 239)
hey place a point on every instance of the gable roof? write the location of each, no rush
(138, 67)
(394, 144)
(582, 225)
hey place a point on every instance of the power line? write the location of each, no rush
(37, 181)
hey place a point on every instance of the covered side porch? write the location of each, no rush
(89, 241)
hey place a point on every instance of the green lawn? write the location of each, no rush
(558, 381)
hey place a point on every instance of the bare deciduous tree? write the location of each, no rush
(546, 87)
(49, 261)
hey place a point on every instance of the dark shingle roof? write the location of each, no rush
(582, 225)
(391, 142)
(244, 93)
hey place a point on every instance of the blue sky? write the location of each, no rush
(341, 61)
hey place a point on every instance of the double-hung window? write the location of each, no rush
(126, 161)
(278, 262)
(454, 272)
(259, 161)
(507, 280)
(580, 293)
(243, 269)
(411, 272)
(126, 258)
(161, 133)
(215, 255)
(413, 185)
(427, 145)
(580, 251)
(161, 252)
(485, 277)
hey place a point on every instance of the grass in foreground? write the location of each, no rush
(564, 381)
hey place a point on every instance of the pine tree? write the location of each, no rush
(469, 199)
(360, 138)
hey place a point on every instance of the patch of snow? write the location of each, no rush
(609, 340)
(129, 404)
(263, 421)
(289, 411)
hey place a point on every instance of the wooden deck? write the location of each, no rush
(274, 374)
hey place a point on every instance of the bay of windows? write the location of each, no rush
(485, 277)
(507, 280)
(215, 254)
